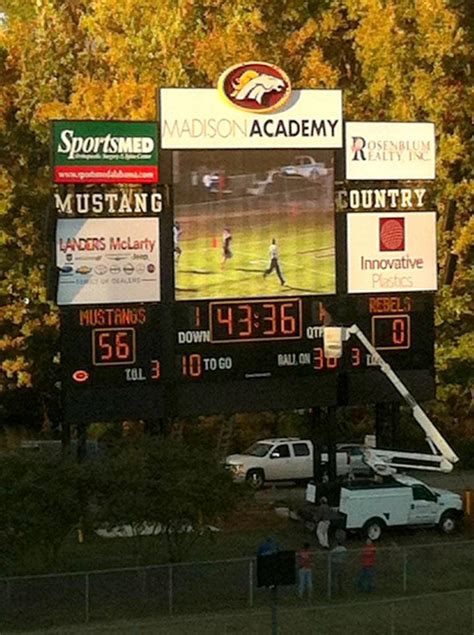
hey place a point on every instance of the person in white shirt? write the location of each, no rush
(176, 235)
(274, 263)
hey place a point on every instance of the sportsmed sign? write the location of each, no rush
(105, 152)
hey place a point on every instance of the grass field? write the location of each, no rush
(448, 613)
(302, 224)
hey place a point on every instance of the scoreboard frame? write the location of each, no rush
(244, 353)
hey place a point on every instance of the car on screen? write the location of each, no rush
(264, 184)
(280, 459)
(306, 166)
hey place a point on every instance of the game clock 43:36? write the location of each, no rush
(255, 320)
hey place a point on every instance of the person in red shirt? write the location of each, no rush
(367, 573)
(305, 570)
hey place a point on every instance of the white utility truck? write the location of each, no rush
(398, 501)
(392, 499)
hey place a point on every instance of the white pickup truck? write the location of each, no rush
(396, 501)
(286, 459)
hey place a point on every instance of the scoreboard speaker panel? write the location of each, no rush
(84, 405)
(264, 394)
(365, 387)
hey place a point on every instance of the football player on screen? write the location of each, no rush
(274, 263)
(176, 236)
(226, 250)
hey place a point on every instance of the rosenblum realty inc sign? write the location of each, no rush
(390, 150)
(391, 251)
(252, 107)
(105, 152)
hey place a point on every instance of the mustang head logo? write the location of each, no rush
(255, 87)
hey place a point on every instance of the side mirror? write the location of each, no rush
(275, 455)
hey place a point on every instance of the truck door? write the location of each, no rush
(424, 507)
(302, 461)
(279, 464)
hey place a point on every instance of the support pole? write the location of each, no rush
(380, 413)
(274, 603)
(331, 423)
(315, 435)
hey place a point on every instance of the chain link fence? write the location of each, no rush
(203, 587)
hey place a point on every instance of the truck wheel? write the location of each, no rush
(255, 478)
(448, 523)
(373, 529)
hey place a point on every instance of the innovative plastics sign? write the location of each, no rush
(391, 251)
(105, 152)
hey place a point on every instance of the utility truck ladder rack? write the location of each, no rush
(443, 456)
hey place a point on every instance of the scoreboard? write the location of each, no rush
(240, 355)
(198, 267)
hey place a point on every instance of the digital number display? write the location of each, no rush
(242, 321)
(391, 332)
(113, 346)
(287, 336)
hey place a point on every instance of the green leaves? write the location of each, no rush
(165, 484)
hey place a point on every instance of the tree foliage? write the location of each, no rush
(164, 485)
(39, 507)
(395, 59)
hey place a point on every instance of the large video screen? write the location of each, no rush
(253, 223)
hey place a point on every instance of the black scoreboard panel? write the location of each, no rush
(112, 364)
(282, 337)
(239, 355)
(193, 358)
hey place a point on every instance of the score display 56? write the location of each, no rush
(111, 345)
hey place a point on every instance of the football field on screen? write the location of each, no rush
(302, 228)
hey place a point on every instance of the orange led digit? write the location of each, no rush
(246, 320)
(225, 320)
(270, 318)
(399, 332)
(288, 322)
(356, 357)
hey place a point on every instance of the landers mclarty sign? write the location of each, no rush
(105, 152)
